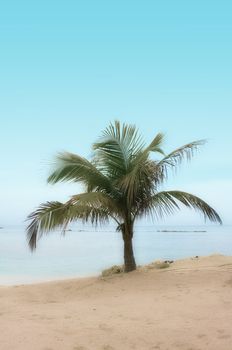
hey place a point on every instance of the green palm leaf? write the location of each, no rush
(194, 202)
(99, 200)
(55, 215)
(166, 202)
(116, 149)
(175, 158)
(71, 167)
(143, 173)
(155, 145)
(47, 217)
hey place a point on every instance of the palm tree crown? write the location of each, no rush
(121, 182)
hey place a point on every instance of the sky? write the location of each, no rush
(68, 68)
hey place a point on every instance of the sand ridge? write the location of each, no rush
(187, 306)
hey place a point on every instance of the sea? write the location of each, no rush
(85, 251)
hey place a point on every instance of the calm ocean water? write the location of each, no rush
(86, 251)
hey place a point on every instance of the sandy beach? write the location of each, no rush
(187, 306)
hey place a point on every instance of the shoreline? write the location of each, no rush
(27, 281)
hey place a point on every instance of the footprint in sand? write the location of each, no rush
(200, 336)
(224, 336)
(104, 327)
(157, 346)
(107, 347)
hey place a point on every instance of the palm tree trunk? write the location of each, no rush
(129, 260)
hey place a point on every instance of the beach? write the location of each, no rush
(186, 306)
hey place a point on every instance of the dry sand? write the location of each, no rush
(187, 306)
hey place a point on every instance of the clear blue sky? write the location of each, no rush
(69, 67)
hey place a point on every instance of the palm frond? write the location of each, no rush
(173, 159)
(116, 148)
(191, 201)
(55, 215)
(158, 205)
(71, 167)
(143, 173)
(47, 217)
(156, 144)
(99, 200)
(139, 182)
(166, 202)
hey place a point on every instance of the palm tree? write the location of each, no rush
(121, 183)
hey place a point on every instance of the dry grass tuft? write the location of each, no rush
(114, 270)
(158, 265)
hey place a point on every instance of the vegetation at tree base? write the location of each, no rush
(122, 182)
